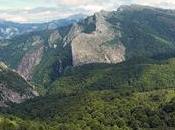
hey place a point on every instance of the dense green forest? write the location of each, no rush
(135, 95)
(95, 110)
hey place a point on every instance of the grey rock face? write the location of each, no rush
(29, 61)
(74, 31)
(95, 47)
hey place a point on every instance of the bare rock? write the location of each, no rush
(29, 61)
(94, 48)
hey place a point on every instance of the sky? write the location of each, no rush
(32, 11)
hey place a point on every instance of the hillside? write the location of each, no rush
(142, 74)
(100, 97)
(13, 88)
(99, 110)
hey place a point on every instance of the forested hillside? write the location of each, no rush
(93, 97)
(13, 88)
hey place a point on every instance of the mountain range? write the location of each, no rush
(109, 71)
(10, 29)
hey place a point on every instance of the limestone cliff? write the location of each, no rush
(94, 46)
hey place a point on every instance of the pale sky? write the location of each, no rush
(46, 10)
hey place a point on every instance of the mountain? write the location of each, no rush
(13, 88)
(106, 37)
(131, 31)
(9, 29)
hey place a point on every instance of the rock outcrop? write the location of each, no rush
(95, 46)
(31, 59)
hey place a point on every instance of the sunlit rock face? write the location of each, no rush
(99, 45)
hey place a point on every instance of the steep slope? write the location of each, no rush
(91, 48)
(13, 88)
(88, 41)
(131, 31)
(37, 56)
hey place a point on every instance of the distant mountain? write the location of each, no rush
(13, 88)
(11, 29)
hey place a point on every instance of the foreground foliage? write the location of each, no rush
(95, 110)
(129, 96)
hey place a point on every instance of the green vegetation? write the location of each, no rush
(137, 75)
(100, 110)
(49, 68)
(17, 47)
(128, 96)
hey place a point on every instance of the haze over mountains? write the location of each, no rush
(113, 70)
(10, 29)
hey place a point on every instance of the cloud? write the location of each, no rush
(46, 10)
(36, 15)
(168, 4)
(9, 17)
